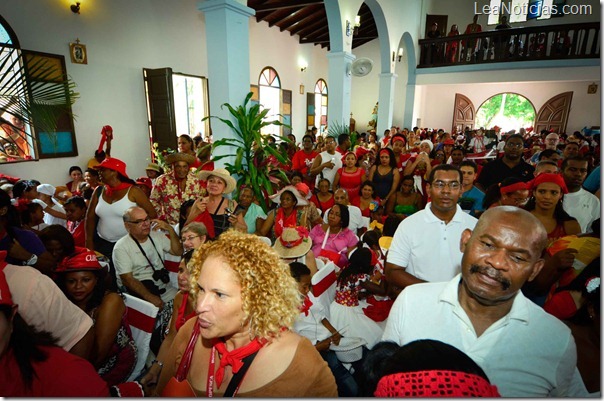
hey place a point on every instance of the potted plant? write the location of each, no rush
(250, 150)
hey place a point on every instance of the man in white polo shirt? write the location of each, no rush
(425, 246)
(524, 351)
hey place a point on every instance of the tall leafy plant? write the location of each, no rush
(33, 91)
(250, 150)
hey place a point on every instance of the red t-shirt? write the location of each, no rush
(77, 232)
(302, 161)
(61, 375)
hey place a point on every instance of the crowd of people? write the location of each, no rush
(376, 259)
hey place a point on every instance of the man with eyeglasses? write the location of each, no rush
(425, 246)
(551, 142)
(139, 257)
(510, 165)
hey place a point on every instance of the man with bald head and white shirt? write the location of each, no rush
(524, 351)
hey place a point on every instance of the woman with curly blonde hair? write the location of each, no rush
(241, 342)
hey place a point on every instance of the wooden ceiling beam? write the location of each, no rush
(286, 4)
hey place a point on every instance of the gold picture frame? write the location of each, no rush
(78, 53)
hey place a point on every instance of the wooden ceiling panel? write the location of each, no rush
(308, 20)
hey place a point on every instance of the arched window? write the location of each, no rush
(506, 110)
(321, 104)
(270, 98)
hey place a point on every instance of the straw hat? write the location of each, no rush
(293, 243)
(180, 157)
(224, 175)
(301, 199)
(153, 167)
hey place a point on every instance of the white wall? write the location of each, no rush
(436, 101)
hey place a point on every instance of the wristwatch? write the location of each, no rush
(31, 261)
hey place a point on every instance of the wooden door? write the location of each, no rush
(553, 115)
(441, 20)
(160, 104)
(463, 113)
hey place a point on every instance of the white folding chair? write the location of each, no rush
(141, 317)
(324, 286)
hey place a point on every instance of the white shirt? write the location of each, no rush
(128, 258)
(583, 206)
(356, 218)
(310, 325)
(329, 173)
(427, 247)
(527, 353)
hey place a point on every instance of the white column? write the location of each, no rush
(228, 44)
(409, 103)
(339, 84)
(386, 102)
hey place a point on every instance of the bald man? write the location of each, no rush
(523, 350)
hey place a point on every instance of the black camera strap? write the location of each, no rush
(145, 255)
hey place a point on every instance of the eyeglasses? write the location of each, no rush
(140, 221)
(514, 145)
(440, 185)
(190, 238)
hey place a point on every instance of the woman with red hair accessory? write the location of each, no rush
(350, 177)
(426, 368)
(81, 277)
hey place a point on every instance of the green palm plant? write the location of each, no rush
(32, 91)
(251, 151)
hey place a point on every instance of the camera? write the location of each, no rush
(228, 212)
(161, 274)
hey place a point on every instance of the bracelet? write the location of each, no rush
(155, 361)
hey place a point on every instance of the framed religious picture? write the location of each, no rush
(78, 53)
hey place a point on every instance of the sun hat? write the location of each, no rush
(146, 181)
(180, 157)
(301, 199)
(293, 243)
(153, 167)
(83, 259)
(224, 175)
(547, 177)
(46, 189)
(304, 190)
(111, 163)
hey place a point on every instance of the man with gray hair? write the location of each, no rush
(139, 257)
(551, 142)
(524, 351)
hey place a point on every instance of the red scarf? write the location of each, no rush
(111, 190)
(233, 358)
(306, 306)
(282, 222)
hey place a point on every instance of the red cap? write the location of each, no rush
(114, 164)
(549, 177)
(145, 181)
(81, 259)
(449, 142)
(5, 297)
(360, 152)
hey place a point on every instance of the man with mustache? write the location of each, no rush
(425, 246)
(523, 350)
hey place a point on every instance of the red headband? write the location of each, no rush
(398, 138)
(385, 150)
(519, 186)
(435, 383)
(549, 177)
